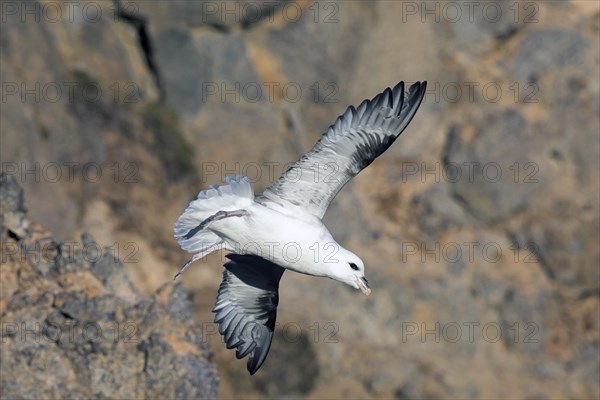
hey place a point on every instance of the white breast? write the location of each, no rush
(293, 243)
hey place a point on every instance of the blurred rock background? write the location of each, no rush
(479, 227)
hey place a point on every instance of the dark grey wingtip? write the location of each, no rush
(413, 100)
(399, 88)
(259, 355)
(418, 88)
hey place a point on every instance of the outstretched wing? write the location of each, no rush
(246, 306)
(355, 139)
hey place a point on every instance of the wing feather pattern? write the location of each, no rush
(246, 307)
(356, 138)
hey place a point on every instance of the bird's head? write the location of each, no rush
(347, 267)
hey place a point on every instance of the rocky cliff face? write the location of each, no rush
(479, 227)
(74, 326)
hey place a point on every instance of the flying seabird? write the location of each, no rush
(281, 228)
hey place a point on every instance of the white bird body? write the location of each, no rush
(292, 243)
(303, 245)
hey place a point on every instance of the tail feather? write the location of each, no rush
(238, 194)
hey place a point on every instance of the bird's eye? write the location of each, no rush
(353, 266)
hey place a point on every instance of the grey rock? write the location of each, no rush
(298, 379)
(487, 187)
(217, 62)
(476, 27)
(176, 53)
(86, 332)
(11, 195)
(546, 49)
(319, 74)
(12, 206)
(221, 16)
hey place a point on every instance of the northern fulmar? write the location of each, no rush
(282, 228)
